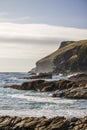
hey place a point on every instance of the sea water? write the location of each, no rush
(30, 103)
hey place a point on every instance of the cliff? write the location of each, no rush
(70, 57)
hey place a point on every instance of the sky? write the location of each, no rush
(32, 29)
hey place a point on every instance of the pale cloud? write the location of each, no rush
(40, 31)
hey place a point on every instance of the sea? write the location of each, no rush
(30, 103)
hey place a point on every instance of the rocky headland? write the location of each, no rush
(42, 123)
(70, 57)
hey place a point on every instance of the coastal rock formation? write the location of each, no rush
(75, 88)
(78, 92)
(80, 77)
(44, 86)
(70, 57)
(42, 123)
(73, 93)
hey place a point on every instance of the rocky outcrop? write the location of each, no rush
(81, 78)
(73, 88)
(70, 57)
(77, 92)
(73, 93)
(42, 123)
(44, 86)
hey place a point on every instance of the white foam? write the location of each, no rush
(45, 112)
(42, 99)
(68, 76)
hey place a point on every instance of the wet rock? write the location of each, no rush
(81, 78)
(33, 85)
(61, 88)
(73, 93)
(43, 85)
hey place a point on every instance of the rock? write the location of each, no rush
(33, 85)
(16, 120)
(42, 123)
(77, 93)
(73, 93)
(42, 85)
(19, 125)
(61, 88)
(62, 125)
(5, 122)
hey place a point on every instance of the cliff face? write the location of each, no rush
(45, 66)
(70, 57)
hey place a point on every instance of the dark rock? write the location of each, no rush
(81, 78)
(62, 125)
(73, 93)
(61, 88)
(42, 85)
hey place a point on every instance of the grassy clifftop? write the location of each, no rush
(70, 45)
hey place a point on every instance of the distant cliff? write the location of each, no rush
(70, 57)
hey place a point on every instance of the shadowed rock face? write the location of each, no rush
(70, 57)
(42, 123)
(44, 67)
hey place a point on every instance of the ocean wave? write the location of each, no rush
(42, 99)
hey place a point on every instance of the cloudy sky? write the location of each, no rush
(32, 29)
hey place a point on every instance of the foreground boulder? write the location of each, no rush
(42, 123)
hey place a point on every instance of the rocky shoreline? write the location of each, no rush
(42, 123)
